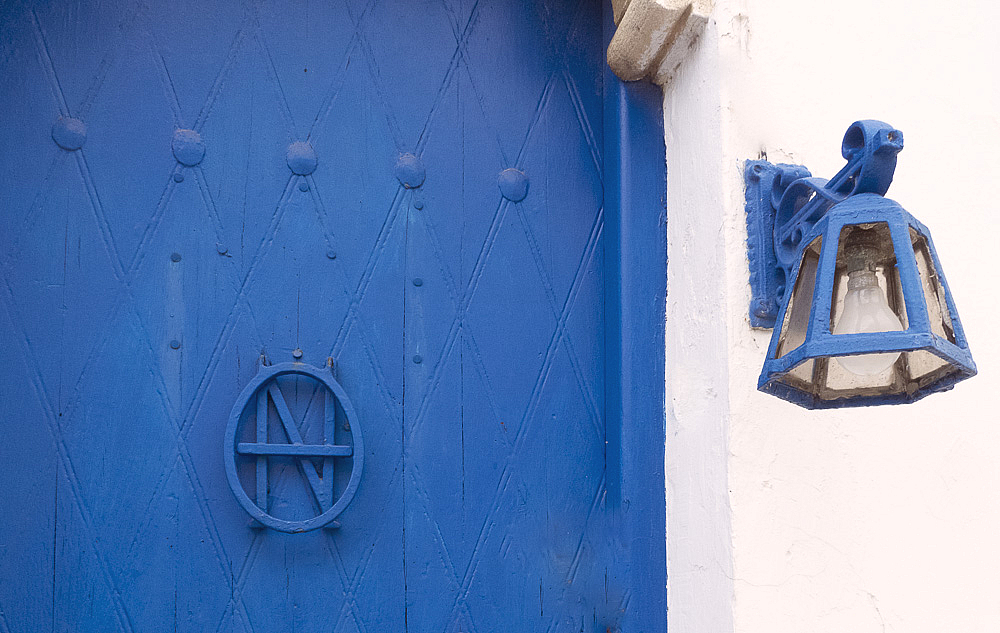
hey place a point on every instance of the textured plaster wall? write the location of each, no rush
(867, 520)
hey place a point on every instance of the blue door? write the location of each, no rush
(399, 201)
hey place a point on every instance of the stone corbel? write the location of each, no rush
(654, 36)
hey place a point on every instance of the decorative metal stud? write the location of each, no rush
(69, 133)
(410, 171)
(188, 147)
(513, 184)
(301, 158)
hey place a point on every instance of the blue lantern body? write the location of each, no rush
(801, 363)
(852, 284)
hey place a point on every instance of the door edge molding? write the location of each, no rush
(635, 243)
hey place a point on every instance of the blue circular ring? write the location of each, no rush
(325, 377)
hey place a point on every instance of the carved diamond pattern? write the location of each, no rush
(125, 224)
(511, 485)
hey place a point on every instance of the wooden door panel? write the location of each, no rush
(160, 243)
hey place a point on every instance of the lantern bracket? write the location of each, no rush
(784, 202)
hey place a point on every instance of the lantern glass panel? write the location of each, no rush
(796, 321)
(924, 367)
(934, 297)
(865, 254)
(837, 379)
(829, 381)
(801, 376)
(894, 293)
(913, 370)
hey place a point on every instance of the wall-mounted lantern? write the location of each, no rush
(850, 282)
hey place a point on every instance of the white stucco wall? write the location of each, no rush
(782, 519)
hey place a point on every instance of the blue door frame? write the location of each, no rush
(141, 310)
(635, 187)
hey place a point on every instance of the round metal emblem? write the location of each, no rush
(265, 395)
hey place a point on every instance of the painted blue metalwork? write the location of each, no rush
(513, 184)
(69, 133)
(144, 271)
(301, 158)
(785, 202)
(188, 147)
(258, 392)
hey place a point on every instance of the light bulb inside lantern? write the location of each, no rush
(866, 310)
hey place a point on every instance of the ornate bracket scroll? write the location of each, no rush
(783, 203)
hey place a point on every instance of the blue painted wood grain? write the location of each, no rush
(635, 192)
(141, 283)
